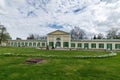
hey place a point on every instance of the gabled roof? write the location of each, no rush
(58, 32)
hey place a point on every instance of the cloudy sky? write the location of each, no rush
(23, 17)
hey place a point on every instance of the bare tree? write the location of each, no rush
(36, 37)
(100, 36)
(4, 35)
(94, 37)
(18, 38)
(112, 33)
(77, 33)
(30, 37)
(42, 38)
(118, 35)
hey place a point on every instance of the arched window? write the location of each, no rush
(34, 44)
(30, 44)
(18, 44)
(38, 44)
(22, 43)
(15, 44)
(26, 43)
(58, 39)
(12, 43)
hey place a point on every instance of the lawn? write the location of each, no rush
(15, 68)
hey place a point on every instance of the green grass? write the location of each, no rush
(50, 52)
(15, 68)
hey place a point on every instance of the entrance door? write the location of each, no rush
(58, 44)
(109, 46)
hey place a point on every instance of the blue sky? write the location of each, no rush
(23, 17)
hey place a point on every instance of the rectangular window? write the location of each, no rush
(86, 45)
(38, 45)
(34, 44)
(15, 44)
(22, 43)
(26, 43)
(12, 44)
(93, 45)
(101, 45)
(8, 43)
(43, 44)
(117, 46)
(79, 44)
(65, 44)
(72, 44)
(30, 44)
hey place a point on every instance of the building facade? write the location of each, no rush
(61, 39)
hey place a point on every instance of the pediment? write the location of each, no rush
(58, 32)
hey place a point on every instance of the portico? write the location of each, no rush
(58, 39)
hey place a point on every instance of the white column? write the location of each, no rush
(97, 45)
(47, 40)
(76, 45)
(24, 43)
(113, 46)
(9, 43)
(36, 44)
(28, 44)
(40, 44)
(105, 45)
(32, 44)
(17, 44)
(54, 41)
(69, 41)
(89, 47)
(45, 44)
(82, 45)
(61, 42)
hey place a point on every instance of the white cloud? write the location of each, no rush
(2, 5)
(93, 16)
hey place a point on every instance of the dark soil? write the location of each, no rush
(34, 60)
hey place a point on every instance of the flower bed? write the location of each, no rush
(61, 57)
(34, 60)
